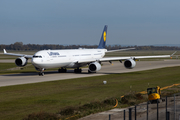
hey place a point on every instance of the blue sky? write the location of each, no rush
(130, 22)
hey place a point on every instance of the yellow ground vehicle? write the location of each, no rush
(154, 94)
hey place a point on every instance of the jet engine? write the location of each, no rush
(129, 63)
(21, 61)
(95, 66)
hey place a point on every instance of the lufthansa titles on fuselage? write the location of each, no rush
(53, 53)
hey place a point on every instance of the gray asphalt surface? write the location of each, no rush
(107, 68)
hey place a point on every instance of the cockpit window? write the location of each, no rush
(34, 56)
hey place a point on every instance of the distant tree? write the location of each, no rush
(18, 45)
(21, 46)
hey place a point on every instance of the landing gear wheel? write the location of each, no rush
(62, 70)
(41, 74)
(77, 70)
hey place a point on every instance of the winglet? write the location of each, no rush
(173, 53)
(4, 51)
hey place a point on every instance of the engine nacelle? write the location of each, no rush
(129, 63)
(21, 61)
(95, 66)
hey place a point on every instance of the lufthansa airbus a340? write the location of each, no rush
(76, 58)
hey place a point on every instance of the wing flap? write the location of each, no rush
(158, 56)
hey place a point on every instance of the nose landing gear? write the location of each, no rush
(41, 73)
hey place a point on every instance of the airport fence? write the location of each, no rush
(169, 109)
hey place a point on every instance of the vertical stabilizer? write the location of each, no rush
(102, 42)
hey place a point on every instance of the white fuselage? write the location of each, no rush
(65, 58)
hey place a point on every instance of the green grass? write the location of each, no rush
(4, 66)
(18, 101)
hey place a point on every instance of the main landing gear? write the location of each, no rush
(62, 70)
(77, 70)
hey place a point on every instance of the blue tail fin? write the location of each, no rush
(102, 42)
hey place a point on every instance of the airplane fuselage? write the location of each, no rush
(65, 58)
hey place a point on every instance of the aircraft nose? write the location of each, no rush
(34, 61)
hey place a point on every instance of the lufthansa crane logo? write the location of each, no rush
(104, 35)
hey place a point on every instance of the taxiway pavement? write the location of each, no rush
(107, 68)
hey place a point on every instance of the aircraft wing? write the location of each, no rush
(132, 57)
(106, 59)
(19, 55)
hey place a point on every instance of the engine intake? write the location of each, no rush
(129, 63)
(21, 61)
(95, 66)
